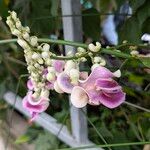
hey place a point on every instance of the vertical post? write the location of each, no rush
(72, 28)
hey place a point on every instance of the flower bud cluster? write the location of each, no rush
(98, 61)
(37, 56)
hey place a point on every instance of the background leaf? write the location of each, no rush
(91, 24)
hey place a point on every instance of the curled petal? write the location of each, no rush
(107, 84)
(117, 73)
(35, 102)
(58, 65)
(98, 72)
(30, 84)
(50, 85)
(112, 100)
(57, 88)
(42, 106)
(64, 82)
(79, 97)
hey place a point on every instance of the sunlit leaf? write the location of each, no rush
(22, 139)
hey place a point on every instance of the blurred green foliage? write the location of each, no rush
(124, 124)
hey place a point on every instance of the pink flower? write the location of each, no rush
(30, 85)
(64, 81)
(35, 107)
(98, 88)
(58, 65)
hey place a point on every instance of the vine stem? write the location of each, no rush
(108, 145)
(109, 51)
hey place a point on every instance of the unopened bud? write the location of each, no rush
(46, 47)
(34, 40)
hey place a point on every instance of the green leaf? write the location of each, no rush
(130, 31)
(3, 8)
(143, 12)
(135, 4)
(105, 132)
(146, 26)
(91, 23)
(145, 61)
(46, 141)
(54, 7)
(22, 139)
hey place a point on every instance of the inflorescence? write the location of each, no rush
(62, 76)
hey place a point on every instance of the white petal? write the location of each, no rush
(57, 88)
(79, 98)
(117, 73)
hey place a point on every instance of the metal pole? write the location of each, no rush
(72, 27)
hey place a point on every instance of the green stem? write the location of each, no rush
(76, 44)
(108, 145)
(61, 42)
(147, 46)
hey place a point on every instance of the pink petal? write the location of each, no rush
(50, 85)
(83, 75)
(33, 116)
(42, 106)
(107, 84)
(98, 72)
(30, 84)
(45, 71)
(58, 65)
(64, 83)
(112, 100)
(79, 97)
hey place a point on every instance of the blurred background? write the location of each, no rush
(109, 21)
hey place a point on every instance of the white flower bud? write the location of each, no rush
(103, 62)
(22, 43)
(30, 67)
(27, 29)
(45, 54)
(83, 59)
(50, 76)
(51, 69)
(34, 75)
(98, 45)
(33, 40)
(18, 24)
(70, 53)
(81, 50)
(74, 73)
(97, 59)
(134, 53)
(26, 36)
(74, 76)
(13, 15)
(48, 62)
(44, 93)
(9, 22)
(35, 55)
(40, 61)
(16, 32)
(46, 47)
(36, 65)
(70, 64)
(94, 48)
